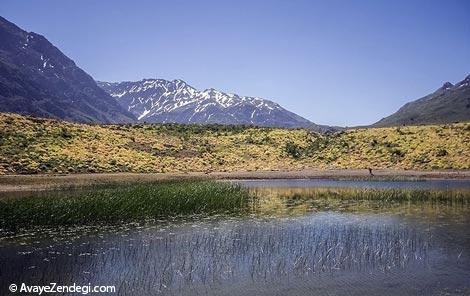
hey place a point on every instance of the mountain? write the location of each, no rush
(450, 103)
(37, 78)
(159, 100)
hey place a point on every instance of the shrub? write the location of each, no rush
(65, 133)
(441, 152)
(293, 150)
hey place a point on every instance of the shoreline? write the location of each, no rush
(20, 183)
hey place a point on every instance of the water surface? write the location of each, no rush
(309, 183)
(290, 243)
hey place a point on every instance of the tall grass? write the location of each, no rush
(117, 203)
(392, 195)
(109, 204)
(384, 195)
(299, 201)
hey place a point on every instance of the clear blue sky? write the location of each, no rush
(333, 62)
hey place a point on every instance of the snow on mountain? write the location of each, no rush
(159, 100)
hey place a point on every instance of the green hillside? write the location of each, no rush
(31, 145)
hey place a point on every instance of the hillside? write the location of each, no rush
(33, 145)
(448, 104)
(37, 78)
(164, 101)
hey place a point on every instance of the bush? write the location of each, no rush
(397, 152)
(441, 152)
(65, 133)
(293, 150)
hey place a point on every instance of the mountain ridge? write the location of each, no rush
(449, 103)
(161, 100)
(36, 78)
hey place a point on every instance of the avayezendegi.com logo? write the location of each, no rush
(55, 288)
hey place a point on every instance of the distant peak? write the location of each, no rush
(152, 79)
(465, 82)
(209, 90)
(446, 85)
(179, 81)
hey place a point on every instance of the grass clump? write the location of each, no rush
(103, 204)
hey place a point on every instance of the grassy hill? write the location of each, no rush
(33, 145)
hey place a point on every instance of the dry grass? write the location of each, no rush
(31, 145)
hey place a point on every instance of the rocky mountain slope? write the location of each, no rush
(159, 100)
(450, 103)
(37, 78)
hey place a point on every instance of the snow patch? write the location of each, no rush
(158, 97)
(143, 114)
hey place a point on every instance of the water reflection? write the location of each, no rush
(377, 184)
(296, 241)
(280, 201)
(170, 259)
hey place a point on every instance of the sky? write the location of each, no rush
(343, 63)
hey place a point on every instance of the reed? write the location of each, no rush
(120, 203)
(300, 201)
(383, 195)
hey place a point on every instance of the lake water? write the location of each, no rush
(309, 183)
(291, 243)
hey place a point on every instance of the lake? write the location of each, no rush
(314, 183)
(299, 238)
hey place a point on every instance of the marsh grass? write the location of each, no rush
(299, 201)
(257, 250)
(106, 204)
(103, 204)
(393, 195)
(385, 195)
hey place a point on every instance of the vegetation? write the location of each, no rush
(289, 201)
(138, 202)
(31, 145)
(127, 202)
(391, 195)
